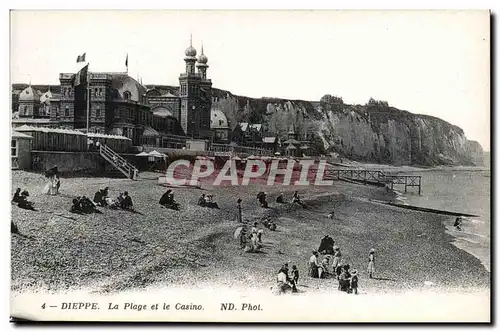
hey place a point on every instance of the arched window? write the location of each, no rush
(98, 112)
(66, 111)
(126, 95)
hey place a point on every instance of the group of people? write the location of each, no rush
(347, 279)
(21, 199)
(280, 199)
(54, 182)
(84, 205)
(167, 200)
(251, 241)
(269, 224)
(287, 281)
(208, 201)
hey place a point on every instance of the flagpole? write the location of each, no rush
(88, 100)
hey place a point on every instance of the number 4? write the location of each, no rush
(43, 306)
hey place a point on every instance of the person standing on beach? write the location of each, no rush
(313, 265)
(337, 256)
(371, 263)
(354, 282)
(238, 204)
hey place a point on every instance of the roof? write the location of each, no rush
(49, 130)
(150, 132)
(245, 125)
(163, 111)
(270, 139)
(95, 135)
(218, 119)
(122, 83)
(27, 121)
(16, 134)
(29, 94)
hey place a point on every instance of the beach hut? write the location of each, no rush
(20, 150)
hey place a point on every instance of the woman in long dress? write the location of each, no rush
(53, 184)
(371, 263)
(337, 256)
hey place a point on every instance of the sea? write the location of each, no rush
(463, 190)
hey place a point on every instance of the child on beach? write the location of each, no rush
(354, 282)
(371, 263)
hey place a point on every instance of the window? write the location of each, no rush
(98, 112)
(126, 95)
(125, 132)
(13, 148)
(221, 122)
(66, 111)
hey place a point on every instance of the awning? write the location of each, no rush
(142, 154)
(156, 154)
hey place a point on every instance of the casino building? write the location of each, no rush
(120, 105)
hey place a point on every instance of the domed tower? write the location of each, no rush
(190, 58)
(202, 64)
(195, 93)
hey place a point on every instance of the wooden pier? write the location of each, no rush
(377, 177)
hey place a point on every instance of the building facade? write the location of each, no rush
(117, 104)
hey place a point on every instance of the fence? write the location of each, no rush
(50, 139)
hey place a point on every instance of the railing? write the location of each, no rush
(377, 177)
(118, 162)
(216, 147)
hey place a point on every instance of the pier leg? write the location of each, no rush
(406, 186)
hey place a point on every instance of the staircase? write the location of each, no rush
(118, 162)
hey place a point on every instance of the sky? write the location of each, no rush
(435, 63)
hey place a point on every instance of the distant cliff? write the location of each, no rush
(375, 132)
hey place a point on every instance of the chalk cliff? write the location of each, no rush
(375, 132)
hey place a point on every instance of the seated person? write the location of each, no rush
(126, 203)
(87, 206)
(272, 226)
(76, 207)
(23, 202)
(17, 194)
(201, 200)
(280, 199)
(13, 228)
(167, 200)
(104, 195)
(296, 199)
(262, 199)
(210, 202)
(98, 199)
(458, 223)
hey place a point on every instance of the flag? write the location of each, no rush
(81, 58)
(81, 76)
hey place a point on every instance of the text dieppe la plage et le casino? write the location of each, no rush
(131, 306)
